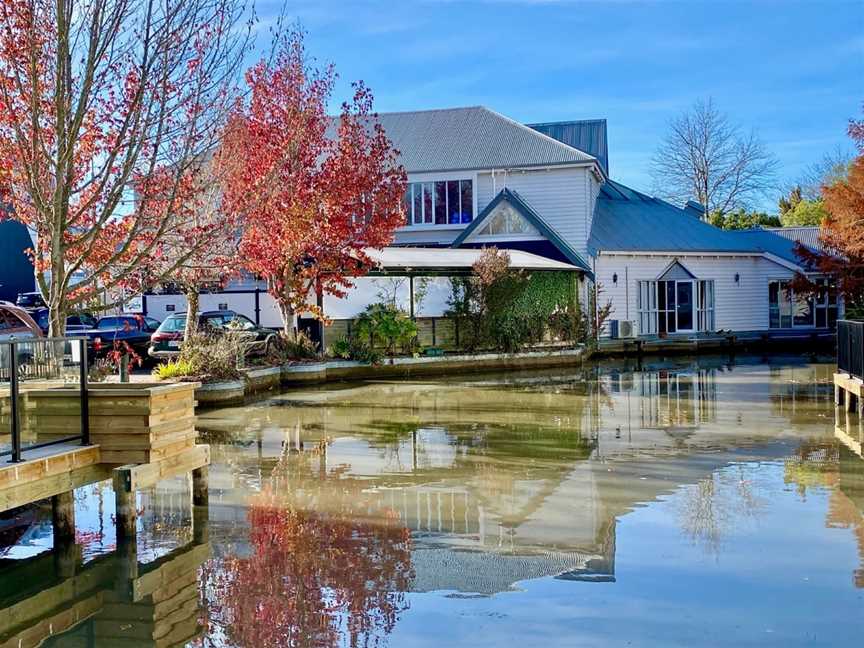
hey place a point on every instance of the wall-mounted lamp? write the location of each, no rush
(615, 278)
(737, 278)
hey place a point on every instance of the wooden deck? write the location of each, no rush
(113, 600)
(849, 392)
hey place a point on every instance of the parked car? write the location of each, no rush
(165, 342)
(16, 323)
(135, 330)
(30, 300)
(75, 323)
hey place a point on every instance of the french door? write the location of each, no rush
(672, 306)
(675, 306)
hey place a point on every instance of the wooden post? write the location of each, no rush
(411, 294)
(67, 558)
(63, 518)
(200, 488)
(126, 511)
(124, 368)
(200, 508)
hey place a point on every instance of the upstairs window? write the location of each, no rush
(443, 202)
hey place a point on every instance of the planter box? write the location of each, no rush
(221, 393)
(263, 379)
(132, 422)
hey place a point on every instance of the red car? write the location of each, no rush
(16, 323)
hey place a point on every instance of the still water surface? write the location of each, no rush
(689, 503)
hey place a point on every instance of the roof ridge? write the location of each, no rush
(566, 121)
(528, 129)
(428, 110)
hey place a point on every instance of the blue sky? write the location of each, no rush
(793, 71)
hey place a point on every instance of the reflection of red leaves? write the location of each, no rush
(313, 577)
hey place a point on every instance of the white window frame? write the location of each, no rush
(703, 318)
(432, 178)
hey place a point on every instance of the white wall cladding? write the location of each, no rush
(239, 302)
(560, 196)
(741, 306)
(369, 290)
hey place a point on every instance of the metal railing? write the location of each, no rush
(850, 347)
(32, 364)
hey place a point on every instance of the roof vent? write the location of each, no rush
(695, 208)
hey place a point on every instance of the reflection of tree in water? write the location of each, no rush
(312, 579)
(710, 509)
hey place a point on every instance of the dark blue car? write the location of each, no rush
(134, 330)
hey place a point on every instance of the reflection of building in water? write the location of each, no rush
(502, 479)
(676, 400)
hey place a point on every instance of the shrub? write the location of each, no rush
(174, 369)
(208, 358)
(285, 348)
(387, 325)
(352, 348)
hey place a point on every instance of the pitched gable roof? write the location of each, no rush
(627, 220)
(453, 139)
(532, 217)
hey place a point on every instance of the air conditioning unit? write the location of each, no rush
(626, 329)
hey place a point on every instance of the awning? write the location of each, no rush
(415, 260)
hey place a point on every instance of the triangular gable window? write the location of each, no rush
(506, 220)
(676, 272)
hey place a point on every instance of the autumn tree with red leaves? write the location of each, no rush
(842, 234)
(107, 110)
(314, 192)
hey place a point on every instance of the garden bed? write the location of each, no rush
(219, 393)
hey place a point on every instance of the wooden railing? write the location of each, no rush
(850, 347)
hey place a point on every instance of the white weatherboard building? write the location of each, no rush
(477, 178)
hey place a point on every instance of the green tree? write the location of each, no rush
(741, 219)
(797, 211)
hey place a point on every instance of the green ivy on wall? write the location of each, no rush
(517, 309)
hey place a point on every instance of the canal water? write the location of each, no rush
(702, 502)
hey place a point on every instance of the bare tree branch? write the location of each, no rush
(706, 158)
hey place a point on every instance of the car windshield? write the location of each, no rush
(29, 299)
(117, 322)
(173, 324)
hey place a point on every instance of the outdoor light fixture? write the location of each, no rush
(737, 278)
(615, 278)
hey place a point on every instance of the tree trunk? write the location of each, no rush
(56, 299)
(192, 301)
(288, 314)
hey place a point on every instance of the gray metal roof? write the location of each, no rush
(627, 220)
(808, 236)
(587, 135)
(453, 139)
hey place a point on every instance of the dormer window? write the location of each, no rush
(440, 202)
